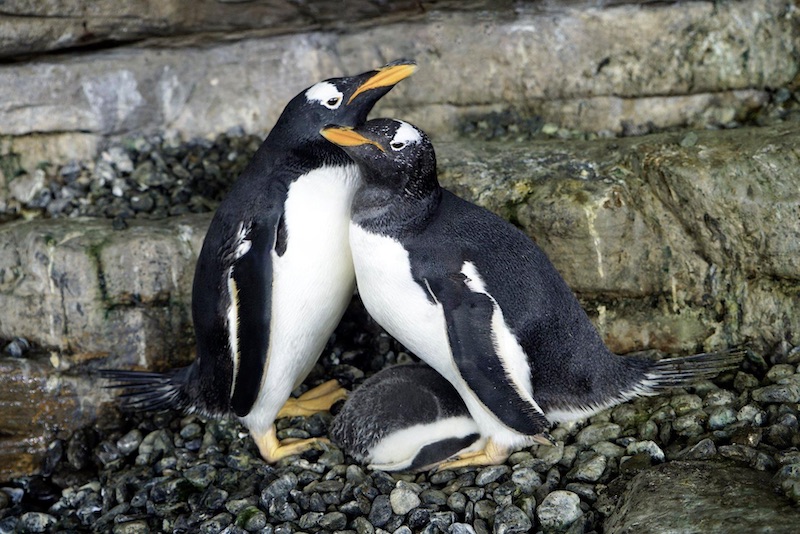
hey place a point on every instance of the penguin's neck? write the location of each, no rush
(384, 211)
(280, 148)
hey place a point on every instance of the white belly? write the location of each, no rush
(312, 283)
(401, 306)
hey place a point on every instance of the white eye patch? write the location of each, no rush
(404, 136)
(326, 94)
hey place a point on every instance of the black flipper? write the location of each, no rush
(252, 274)
(469, 329)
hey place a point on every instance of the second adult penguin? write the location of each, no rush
(274, 275)
(477, 300)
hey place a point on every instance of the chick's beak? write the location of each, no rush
(347, 137)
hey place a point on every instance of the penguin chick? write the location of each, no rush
(405, 418)
(274, 274)
(477, 300)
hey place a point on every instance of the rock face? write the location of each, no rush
(707, 497)
(86, 291)
(622, 68)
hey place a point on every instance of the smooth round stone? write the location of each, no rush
(702, 450)
(787, 392)
(779, 372)
(490, 474)
(559, 510)
(511, 520)
(597, 432)
(131, 527)
(216, 523)
(36, 522)
(690, 424)
(485, 509)
(744, 381)
(526, 479)
(252, 519)
(461, 528)
(457, 502)
(201, 475)
(719, 397)
(685, 403)
(381, 511)
(720, 416)
(588, 468)
(750, 413)
(403, 500)
(608, 449)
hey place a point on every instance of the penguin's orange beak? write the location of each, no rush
(386, 77)
(345, 136)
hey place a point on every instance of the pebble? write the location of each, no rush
(510, 520)
(403, 500)
(490, 474)
(36, 522)
(787, 391)
(589, 467)
(648, 447)
(598, 432)
(559, 510)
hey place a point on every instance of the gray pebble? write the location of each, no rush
(216, 523)
(403, 500)
(485, 509)
(381, 511)
(589, 467)
(131, 527)
(491, 474)
(460, 528)
(597, 432)
(333, 521)
(526, 479)
(457, 502)
(511, 520)
(251, 518)
(201, 475)
(559, 510)
(703, 450)
(720, 417)
(36, 522)
(788, 391)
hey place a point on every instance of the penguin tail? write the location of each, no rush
(683, 371)
(147, 391)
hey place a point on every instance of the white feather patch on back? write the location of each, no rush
(398, 449)
(513, 358)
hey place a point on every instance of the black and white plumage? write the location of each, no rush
(275, 274)
(477, 300)
(405, 418)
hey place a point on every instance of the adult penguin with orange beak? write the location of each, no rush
(275, 273)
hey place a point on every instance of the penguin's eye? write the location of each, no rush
(333, 102)
(397, 145)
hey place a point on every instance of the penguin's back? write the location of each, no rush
(405, 417)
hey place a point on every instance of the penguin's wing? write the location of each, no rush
(469, 316)
(249, 256)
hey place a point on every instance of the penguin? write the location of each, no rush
(405, 418)
(476, 299)
(274, 275)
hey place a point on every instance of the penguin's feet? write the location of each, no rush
(318, 399)
(491, 454)
(272, 449)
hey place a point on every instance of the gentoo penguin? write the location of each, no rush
(477, 300)
(274, 274)
(405, 418)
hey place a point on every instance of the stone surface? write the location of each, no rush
(85, 290)
(622, 66)
(707, 497)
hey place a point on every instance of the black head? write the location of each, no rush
(392, 155)
(345, 101)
